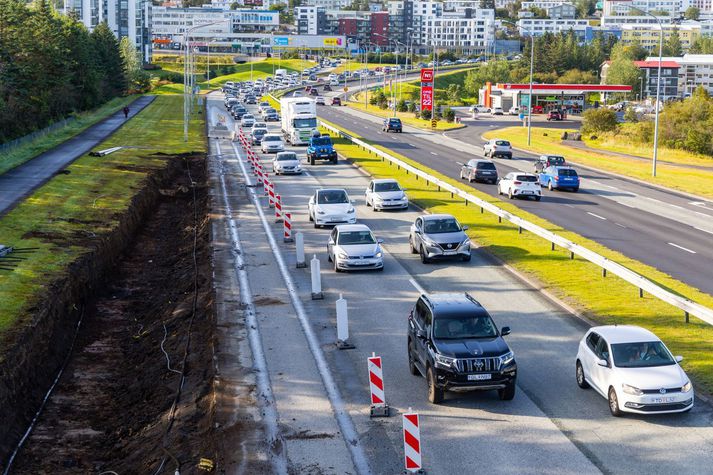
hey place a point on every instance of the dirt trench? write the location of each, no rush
(111, 409)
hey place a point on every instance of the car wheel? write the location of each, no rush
(435, 394)
(470, 179)
(311, 161)
(411, 363)
(336, 268)
(575, 189)
(510, 195)
(581, 380)
(410, 245)
(329, 257)
(538, 198)
(461, 175)
(614, 403)
(310, 216)
(549, 185)
(507, 393)
(500, 192)
(334, 161)
(424, 256)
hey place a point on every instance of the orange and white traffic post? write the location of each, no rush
(278, 209)
(271, 195)
(287, 225)
(412, 442)
(379, 408)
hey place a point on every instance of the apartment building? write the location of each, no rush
(554, 9)
(648, 35)
(469, 35)
(540, 26)
(669, 8)
(694, 70)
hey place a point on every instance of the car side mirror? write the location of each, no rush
(352, 201)
(417, 231)
(420, 334)
(504, 331)
(331, 241)
(679, 358)
(603, 363)
(465, 228)
(379, 240)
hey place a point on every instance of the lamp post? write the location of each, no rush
(658, 87)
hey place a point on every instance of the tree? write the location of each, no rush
(672, 46)
(702, 45)
(622, 69)
(692, 13)
(235, 6)
(137, 79)
(539, 12)
(585, 8)
(598, 120)
(494, 71)
(487, 4)
(454, 92)
(576, 76)
(106, 47)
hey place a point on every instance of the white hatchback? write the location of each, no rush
(633, 370)
(385, 194)
(519, 185)
(354, 247)
(272, 143)
(286, 162)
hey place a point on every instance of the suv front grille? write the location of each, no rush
(449, 246)
(477, 365)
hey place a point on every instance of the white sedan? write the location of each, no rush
(331, 206)
(496, 111)
(320, 101)
(354, 247)
(247, 120)
(286, 162)
(633, 370)
(272, 143)
(385, 194)
(518, 184)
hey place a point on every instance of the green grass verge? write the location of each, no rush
(68, 215)
(690, 180)
(27, 151)
(577, 282)
(406, 117)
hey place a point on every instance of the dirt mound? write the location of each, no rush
(112, 406)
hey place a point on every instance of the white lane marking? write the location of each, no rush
(412, 145)
(354, 122)
(434, 153)
(704, 230)
(651, 199)
(701, 204)
(702, 214)
(379, 133)
(416, 286)
(569, 205)
(681, 247)
(675, 206)
(597, 216)
(624, 204)
(620, 225)
(307, 173)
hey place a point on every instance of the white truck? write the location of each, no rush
(280, 73)
(299, 119)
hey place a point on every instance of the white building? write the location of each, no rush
(695, 70)
(126, 18)
(471, 35)
(540, 26)
(172, 23)
(673, 8)
(554, 9)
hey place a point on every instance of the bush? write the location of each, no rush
(411, 106)
(401, 106)
(599, 120)
(449, 114)
(426, 114)
(630, 115)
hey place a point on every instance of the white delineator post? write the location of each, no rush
(379, 408)
(300, 250)
(343, 325)
(316, 279)
(287, 225)
(412, 442)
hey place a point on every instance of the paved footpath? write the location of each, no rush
(21, 181)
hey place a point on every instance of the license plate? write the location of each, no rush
(526, 192)
(449, 253)
(663, 400)
(479, 377)
(360, 263)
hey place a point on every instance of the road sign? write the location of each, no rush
(434, 123)
(427, 98)
(427, 75)
(346, 89)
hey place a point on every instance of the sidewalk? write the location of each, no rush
(21, 181)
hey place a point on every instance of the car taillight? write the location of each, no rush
(557, 178)
(517, 182)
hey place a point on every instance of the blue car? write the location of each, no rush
(560, 178)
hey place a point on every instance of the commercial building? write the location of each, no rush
(667, 8)
(574, 98)
(540, 26)
(554, 9)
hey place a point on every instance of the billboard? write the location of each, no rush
(309, 41)
(427, 75)
(427, 98)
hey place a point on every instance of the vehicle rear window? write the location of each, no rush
(527, 178)
(567, 172)
(502, 142)
(485, 166)
(556, 160)
(394, 121)
(272, 138)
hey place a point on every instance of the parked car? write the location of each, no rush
(554, 115)
(454, 342)
(518, 185)
(438, 235)
(514, 111)
(272, 143)
(479, 108)
(392, 124)
(256, 135)
(336, 101)
(331, 206)
(545, 161)
(384, 194)
(633, 369)
(286, 162)
(354, 247)
(320, 100)
(479, 170)
(497, 148)
(560, 178)
(496, 111)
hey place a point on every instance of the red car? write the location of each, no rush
(554, 115)
(336, 101)
(537, 110)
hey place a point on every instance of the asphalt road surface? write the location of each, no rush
(664, 229)
(21, 181)
(551, 426)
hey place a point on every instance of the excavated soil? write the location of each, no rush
(111, 409)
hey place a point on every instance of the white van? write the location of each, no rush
(280, 73)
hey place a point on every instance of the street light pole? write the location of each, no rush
(529, 107)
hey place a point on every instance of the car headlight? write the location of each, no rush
(350, 210)
(378, 198)
(507, 358)
(379, 255)
(428, 241)
(634, 391)
(465, 243)
(686, 387)
(343, 255)
(444, 361)
(319, 211)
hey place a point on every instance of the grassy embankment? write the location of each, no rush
(27, 151)
(577, 282)
(64, 217)
(260, 69)
(690, 180)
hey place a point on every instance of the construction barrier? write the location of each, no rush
(412, 442)
(287, 225)
(278, 209)
(379, 408)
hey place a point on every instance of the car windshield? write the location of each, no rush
(303, 123)
(387, 186)
(272, 138)
(248, 117)
(527, 178)
(504, 143)
(286, 157)
(641, 355)
(556, 160)
(355, 238)
(485, 166)
(465, 326)
(567, 172)
(259, 131)
(322, 141)
(332, 197)
(443, 225)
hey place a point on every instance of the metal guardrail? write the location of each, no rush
(607, 265)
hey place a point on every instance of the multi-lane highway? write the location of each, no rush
(551, 426)
(664, 229)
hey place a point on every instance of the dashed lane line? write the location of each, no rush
(597, 216)
(416, 286)
(682, 248)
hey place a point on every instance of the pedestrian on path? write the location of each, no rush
(126, 112)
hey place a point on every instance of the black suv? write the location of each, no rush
(392, 124)
(454, 343)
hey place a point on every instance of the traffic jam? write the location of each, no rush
(453, 343)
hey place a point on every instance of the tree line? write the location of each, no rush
(51, 66)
